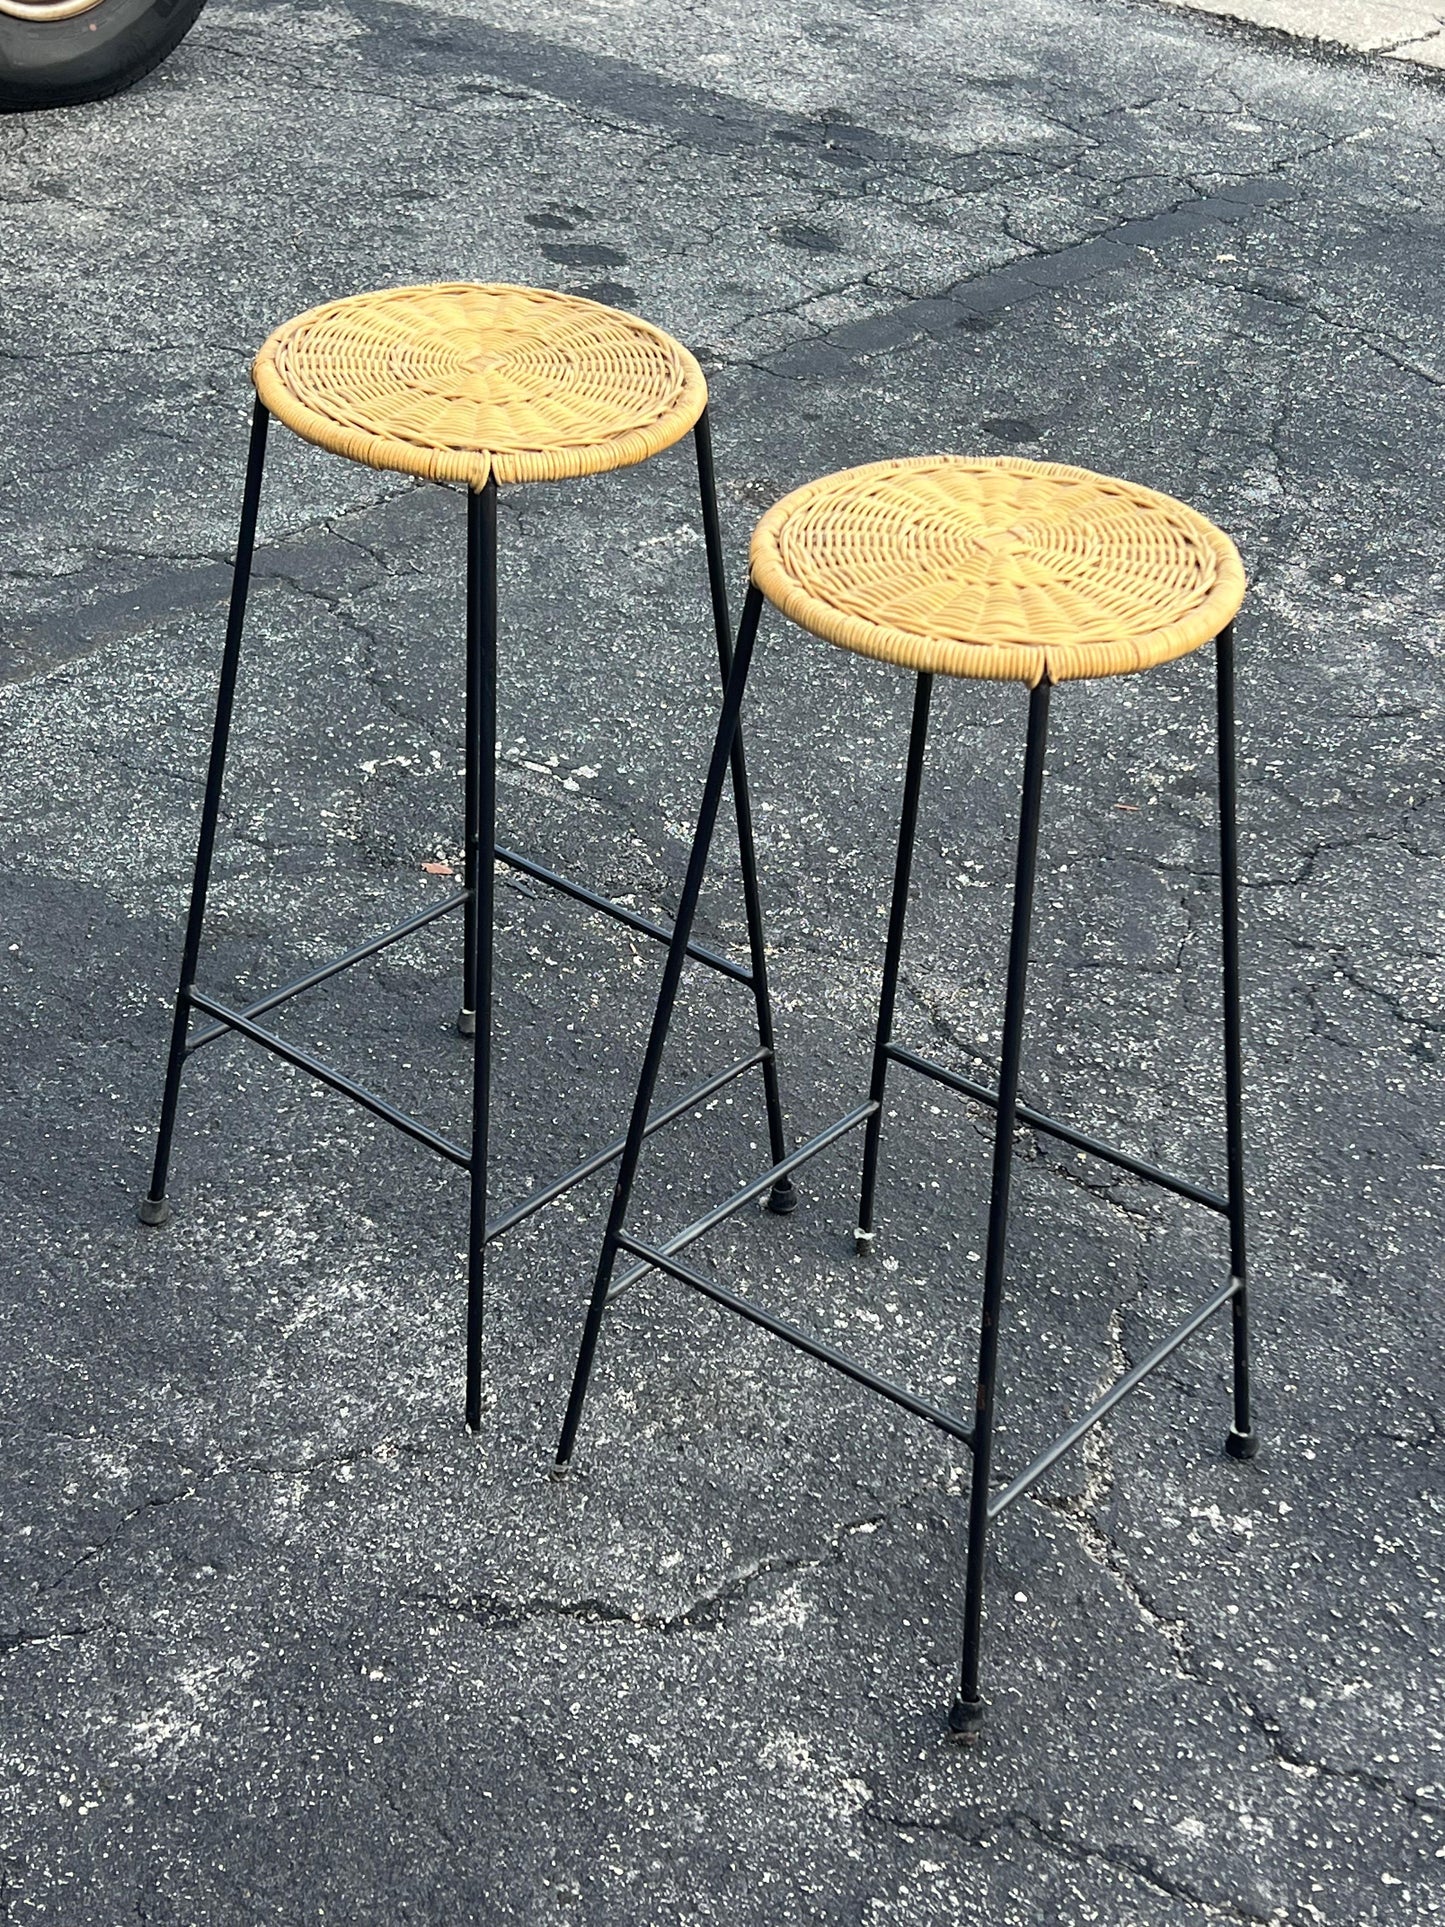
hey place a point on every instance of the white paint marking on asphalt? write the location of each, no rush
(1401, 29)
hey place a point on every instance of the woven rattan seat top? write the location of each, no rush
(1010, 570)
(459, 381)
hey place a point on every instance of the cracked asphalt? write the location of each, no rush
(280, 1642)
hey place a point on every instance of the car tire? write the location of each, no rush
(54, 53)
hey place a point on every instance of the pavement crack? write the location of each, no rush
(1395, 352)
(301, 1469)
(1106, 1189)
(11, 1642)
(1116, 1855)
(1079, 1513)
(1142, 1868)
(1290, 1756)
(711, 1606)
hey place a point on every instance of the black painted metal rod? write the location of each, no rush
(755, 1189)
(335, 1080)
(537, 1200)
(334, 968)
(1119, 1390)
(1039, 1121)
(814, 1347)
(659, 932)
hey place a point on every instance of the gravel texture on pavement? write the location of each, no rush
(281, 1642)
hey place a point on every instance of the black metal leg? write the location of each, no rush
(662, 1016)
(1242, 1441)
(472, 804)
(783, 1197)
(893, 954)
(154, 1209)
(481, 869)
(967, 1712)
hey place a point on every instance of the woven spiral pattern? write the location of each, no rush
(1010, 570)
(457, 382)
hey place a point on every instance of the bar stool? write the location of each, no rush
(1004, 570)
(476, 385)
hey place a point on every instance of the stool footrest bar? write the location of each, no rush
(538, 1200)
(645, 926)
(754, 1189)
(803, 1341)
(302, 1060)
(1040, 1121)
(332, 969)
(514, 860)
(1118, 1391)
(335, 1080)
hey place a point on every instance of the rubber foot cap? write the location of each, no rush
(1241, 1445)
(965, 1720)
(783, 1199)
(559, 1470)
(153, 1211)
(467, 1023)
(862, 1243)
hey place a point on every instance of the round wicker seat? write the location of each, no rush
(461, 382)
(1003, 569)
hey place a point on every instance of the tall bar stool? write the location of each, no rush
(1011, 571)
(475, 385)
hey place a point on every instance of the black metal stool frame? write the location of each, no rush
(475, 900)
(985, 1504)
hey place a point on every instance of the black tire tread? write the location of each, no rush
(21, 94)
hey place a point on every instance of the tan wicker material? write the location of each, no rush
(1010, 570)
(457, 382)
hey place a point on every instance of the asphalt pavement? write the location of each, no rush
(280, 1641)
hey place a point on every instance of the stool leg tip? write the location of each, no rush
(965, 1721)
(862, 1242)
(559, 1470)
(783, 1198)
(1241, 1445)
(153, 1211)
(467, 1022)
